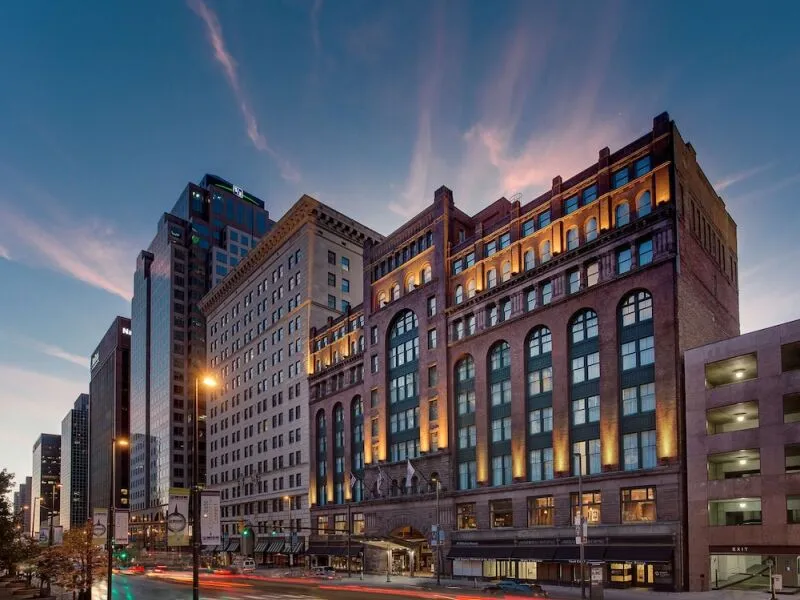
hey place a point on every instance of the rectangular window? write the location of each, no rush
(467, 437)
(570, 205)
(540, 420)
(502, 513)
(373, 398)
(505, 240)
(741, 511)
(345, 263)
(467, 475)
(501, 429)
(639, 505)
(639, 399)
(586, 368)
(641, 166)
(345, 285)
(501, 392)
(547, 292)
(374, 363)
(586, 410)
(639, 450)
(331, 257)
(541, 511)
(544, 219)
(501, 470)
(638, 353)
(645, 252)
(490, 249)
(331, 301)
(540, 381)
(590, 506)
(574, 281)
(592, 273)
(528, 227)
(374, 335)
(530, 299)
(586, 457)
(431, 339)
(433, 376)
(619, 178)
(793, 509)
(466, 516)
(466, 402)
(432, 306)
(540, 464)
(589, 195)
(623, 260)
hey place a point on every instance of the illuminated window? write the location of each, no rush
(622, 214)
(471, 288)
(411, 284)
(588, 457)
(638, 505)
(529, 260)
(590, 229)
(590, 505)
(491, 278)
(459, 295)
(426, 274)
(624, 260)
(541, 512)
(544, 251)
(592, 273)
(506, 273)
(572, 238)
(644, 205)
(466, 516)
(570, 205)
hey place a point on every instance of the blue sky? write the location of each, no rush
(109, 110)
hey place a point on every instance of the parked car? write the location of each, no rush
(323, 572)
(248, 565)
(516, 588)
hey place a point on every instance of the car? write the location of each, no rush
(248, 565)
(323, 572)
(517, 588)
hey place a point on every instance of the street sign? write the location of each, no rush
(581, 533)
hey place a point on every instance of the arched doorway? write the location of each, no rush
(412, 552)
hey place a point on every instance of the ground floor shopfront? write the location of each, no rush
(649, 566)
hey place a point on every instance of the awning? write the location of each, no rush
(233, 546)
(639, 553)
(574, 553)
(534, 552)
(275, 547)
(298, 548)
(260, 547)
(497, 552)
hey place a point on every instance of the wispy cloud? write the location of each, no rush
(90, 251)
(48, 349)
(229, 66)
(734, 178)
(4, 253)
(315, 36)
(765, 192)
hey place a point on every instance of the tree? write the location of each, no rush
(87, 561)
(52, 565)
(15, 546)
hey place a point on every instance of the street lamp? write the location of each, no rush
(112, 488)
(209, 382)
(579, 537)
(438, 483)
(291, 540)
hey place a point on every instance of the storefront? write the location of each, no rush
(336, 555)
(625, 566)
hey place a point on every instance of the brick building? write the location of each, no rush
(743, 456)
(507, 350)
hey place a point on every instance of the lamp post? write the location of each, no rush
(349, 530)
(579, 537)
(52, 509)
(208, 382)
(112, 487)
(438, 537)
(291, 529)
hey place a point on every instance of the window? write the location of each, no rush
(622, 214)
(374, 399)
(433, 377)
(471, 288)
(570, 205)
(586, 410)
(395, 292)
(491, 278)
(623, 260)
(588, 457)
(466, 516)
(382, 300)
(431, 339)
(732, 417)
(411, 284)
(373, 335)
(459, 295)
(345, 263)
(529, 260)
(345, 285)
(505, 309)
(589, 505)
(619, 178)
(541, 511)
(644, 205)
(432, 306)
(530, 299)
(331, 280)
(645, 252)
(638, 353)
(793, 509)
(467, 475)
(491, 315)
(544, 219)
(790, 357)
(589, 195)
(501, 471)
(331, 301)
(331, 258)
(490, 249)
(467, 437)
(501, 429)
(733, 465)
(574, 281)
(590, 229)
(637, 308)
(540, 464)
(506, 273)
(592, 273)
(639, 399)
(540, 342)
(639, 505)
(374, 363)
(528, 227)
(572, 238)
(540, 381)
(465, 385)
(586, 368)
(505, 240)
(584, 326)
(426, 274)
(544, 251)
(741, 511)
(540, 420)
(641, 166)
(470, 324)
(501, 513)
(639, 450)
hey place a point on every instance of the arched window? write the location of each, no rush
(622, 214)
(433, 480)
(637, 308)
(471, 288)
(544, 251)
(584, 326)
(395, 292)
(572, 238)
(403, 361)
(338, 454)
(411, 284)
(491, 278)
(644, 205)
(426, 274)
(361, 343)
(540, 342)
(500, 421)
(529, 259)
(465, 408)
(382, 301)
(459, 295)
(590, 229)
(506, 275)
(322, 459)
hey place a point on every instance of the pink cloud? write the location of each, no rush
(734, 178)
(4, 253)
(229, 67)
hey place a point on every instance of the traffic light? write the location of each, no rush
(123, 555)
(274, 532)
(246, 532)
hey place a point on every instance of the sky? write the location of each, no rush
(108, 111)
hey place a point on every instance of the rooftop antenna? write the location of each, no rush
(516, 198)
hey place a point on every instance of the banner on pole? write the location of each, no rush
(178, 517)
(210, 531)
(121, 527)
(99, 526)
(58, 535)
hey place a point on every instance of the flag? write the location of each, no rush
(410, 470)
(353, 480)
(379, 484)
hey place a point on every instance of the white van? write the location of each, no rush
(323, 572)
(248, 565)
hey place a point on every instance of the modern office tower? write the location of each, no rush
(306, 271)
(109, 415)
(46, 477)
(25, 505)
(74, 491)
(212, 226)
(512, 350)
(743, 457)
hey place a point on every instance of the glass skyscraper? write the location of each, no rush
(75, 465)
(212, 226)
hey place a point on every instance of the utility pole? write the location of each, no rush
(579, 537)
(349, 530)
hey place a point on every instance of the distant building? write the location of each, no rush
(213, 225)
(109, 415)
(75, 465)
(25, 506)
(743, 459)
(46, 478)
